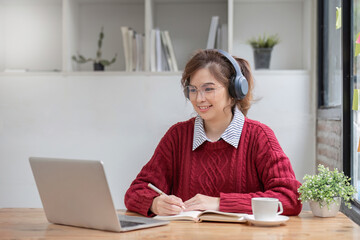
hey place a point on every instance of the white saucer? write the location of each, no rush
(277, 221)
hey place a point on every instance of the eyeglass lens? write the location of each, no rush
(206, 90)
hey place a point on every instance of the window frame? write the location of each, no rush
(348, 80)
(323, 111)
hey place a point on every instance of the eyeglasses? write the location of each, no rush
(206, 90)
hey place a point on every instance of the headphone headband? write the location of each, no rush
(233, 62)
(238, 84)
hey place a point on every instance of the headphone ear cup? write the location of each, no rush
(232, 91)
(242, 87)
(239, 87)
(186, 92)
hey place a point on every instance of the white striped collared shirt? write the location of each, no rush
(231, 135)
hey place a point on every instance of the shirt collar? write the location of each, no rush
(231, 135)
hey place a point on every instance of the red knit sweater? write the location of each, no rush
(257, 168)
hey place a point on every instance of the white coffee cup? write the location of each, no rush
(266, 209)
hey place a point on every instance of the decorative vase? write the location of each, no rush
(262, 58)
(98, 67)
(325, 211)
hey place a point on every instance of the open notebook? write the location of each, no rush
(208, 215)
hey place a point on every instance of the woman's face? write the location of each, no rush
(209, 97)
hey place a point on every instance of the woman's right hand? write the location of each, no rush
(167, 205)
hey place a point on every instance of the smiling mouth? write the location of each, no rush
(204, 108)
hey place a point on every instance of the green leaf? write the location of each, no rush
(326, 185)
(81, 59)
(264, 41)
(114, 59)
(104, 62)
(98, 54)
(107, 62)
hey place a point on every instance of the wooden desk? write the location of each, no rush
(21, 223)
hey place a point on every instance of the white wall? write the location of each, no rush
(284, 103)
(116, 119)
(119, 119)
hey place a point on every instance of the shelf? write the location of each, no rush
(34, 40)
(83, 24)
(50, 32)
(290, 19)
(188, 23)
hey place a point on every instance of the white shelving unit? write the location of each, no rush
(42, 35)
(290, 19)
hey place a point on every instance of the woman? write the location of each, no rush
(220, 159)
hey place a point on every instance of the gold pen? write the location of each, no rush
(156, 189)
(159, 191)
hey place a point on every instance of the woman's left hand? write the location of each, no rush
(202, 202)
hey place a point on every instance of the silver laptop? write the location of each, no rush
(76, 193)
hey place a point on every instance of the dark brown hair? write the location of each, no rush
(222, 70)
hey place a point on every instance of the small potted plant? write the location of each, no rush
(262, 48)
(325, 190)
(99, 63)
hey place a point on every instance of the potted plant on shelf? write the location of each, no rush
(325, 190)
(99, 63)
(262, 48)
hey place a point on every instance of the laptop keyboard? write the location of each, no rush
(129, 224)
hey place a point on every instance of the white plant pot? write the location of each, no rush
(325, 211)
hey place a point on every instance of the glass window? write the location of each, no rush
(330, 87)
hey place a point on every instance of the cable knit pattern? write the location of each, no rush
(257, 168)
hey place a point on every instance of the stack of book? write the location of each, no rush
(218, 35)
(134, 49)
(162, 56)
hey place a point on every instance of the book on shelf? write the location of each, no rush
(171, 51)
(208, 215)
(164, 59)
(218, 38)
(159, 65)
(218, 35)
(134, 50)
(166, 52)
(212, 32)
(152, 50)
(162, 56)
(224, 36)
(139, 59)
(125, 38)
